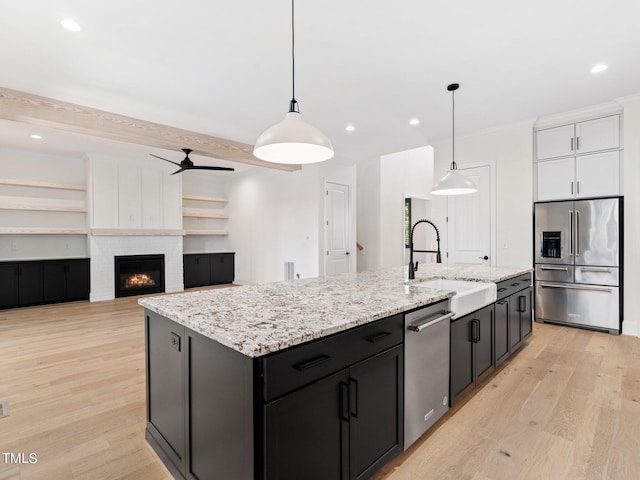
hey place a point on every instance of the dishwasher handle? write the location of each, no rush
(431, 320)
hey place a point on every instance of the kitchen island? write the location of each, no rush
(263, 381)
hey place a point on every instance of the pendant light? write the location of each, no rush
(454, 183)
(293, 140)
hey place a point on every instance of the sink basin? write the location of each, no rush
(469, 296)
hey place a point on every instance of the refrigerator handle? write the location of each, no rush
(571, 233)
(577, 233)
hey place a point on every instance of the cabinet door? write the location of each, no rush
(30, 283)
(196, 270)
(375, 407)
(54, 282)
(484, 342)
(461, 355)
(599, 134)
(525, 298)
(555, 179)
(9, 282)
(166, 385)
(598, 175)
(129, 198)
(221, 268)
(307, 432)
(77, 277)
(501, 324)
(151, 199)
(555, 142)
(515, 323)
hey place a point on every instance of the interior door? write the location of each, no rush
(469, 223)
(337, 228)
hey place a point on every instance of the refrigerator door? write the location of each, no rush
(553, 232)
(554, 273)
(597, 275)
(597, 232)
(581, 305)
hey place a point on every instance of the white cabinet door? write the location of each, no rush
(599, 134)
(555, 179)
(129, 200)
(555, 142)
(598, 175)
(151, 191)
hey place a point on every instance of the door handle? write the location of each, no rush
(576, 287)
(347, 253)
(418, 327)
(344, 401)
(572, 145)
(571, 230)
(577, 233)
(314, 362)
(561, 269)
(521, 303)
(596, 270)
(577, 145)
(484, 258)
(377, 336)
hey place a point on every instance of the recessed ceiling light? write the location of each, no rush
(350, 128)
(414, 121)
(35, 136)
(70, 24)
(599, 68)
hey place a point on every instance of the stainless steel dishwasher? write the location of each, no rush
(426, 364)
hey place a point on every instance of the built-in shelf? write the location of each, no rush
(206, 232)
(38, 184)
(205, 199)
(42, 231)
(203, 213)
(136, 232)
(16, 203)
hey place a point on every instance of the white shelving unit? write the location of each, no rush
(202, 215)
(29, 207)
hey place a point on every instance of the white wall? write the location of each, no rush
(631, 183)
(277, 216)
(511, 148)
(368, 213)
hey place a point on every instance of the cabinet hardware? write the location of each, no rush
(577, 233)
(576, 287)
(353, 398)
(596, 270)
(314, 362)
(440, 316)
(571, 230)
(521, 303)
(578, 187)
(572, 144)
(561, 269)
(344, 401)
(571, 188)
(377, 336)
(577, 143)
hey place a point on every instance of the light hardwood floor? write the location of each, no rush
(566, 407)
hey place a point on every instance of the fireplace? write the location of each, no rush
(139, 275)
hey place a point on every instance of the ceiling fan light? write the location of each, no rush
(454, 183)
(293, 141)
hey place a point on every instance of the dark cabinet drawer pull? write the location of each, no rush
(314, 362)
(377, 336)
(515, 284)
(502, 289)
(344, 401)
(521, 303)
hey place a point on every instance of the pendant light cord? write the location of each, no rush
(453, 130)
(293, 106)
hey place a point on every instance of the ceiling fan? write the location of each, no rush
(187, 164)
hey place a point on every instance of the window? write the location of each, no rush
(407, 221)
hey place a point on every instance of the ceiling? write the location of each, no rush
(223, 68)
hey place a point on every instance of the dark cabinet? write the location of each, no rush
(513, 315)
(43, 281)
(345, 426)
(471, 349)
(66, 280)
(202, 269)
(9, 285)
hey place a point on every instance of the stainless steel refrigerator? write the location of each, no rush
(578, 263)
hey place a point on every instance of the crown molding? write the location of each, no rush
(578, 115)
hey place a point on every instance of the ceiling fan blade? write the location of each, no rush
(204, 167)
(170, 161)
(182, 169)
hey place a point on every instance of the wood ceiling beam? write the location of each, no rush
(42, 111)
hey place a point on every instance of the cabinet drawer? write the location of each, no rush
(513, 285)
(298, 366)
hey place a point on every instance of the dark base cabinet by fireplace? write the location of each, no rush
(328, 409)
(38, 282)
(202, 269)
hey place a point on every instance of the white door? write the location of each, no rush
(337, 214)
(469, 224)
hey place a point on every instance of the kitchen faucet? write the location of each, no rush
(413, 268)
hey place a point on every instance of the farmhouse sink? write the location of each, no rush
(469, 296)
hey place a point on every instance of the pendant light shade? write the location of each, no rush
(454, 182)
(293, 140)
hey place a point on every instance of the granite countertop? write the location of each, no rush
(259, 319)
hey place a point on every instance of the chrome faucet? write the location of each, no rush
(413, 268)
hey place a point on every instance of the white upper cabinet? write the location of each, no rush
(555, 179)
(555, 142)
(582, 137)
(597, 135)
(598, 175)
